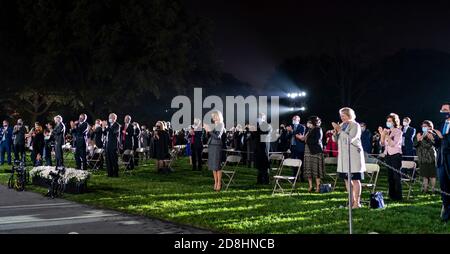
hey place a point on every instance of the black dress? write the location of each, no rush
(161, 146)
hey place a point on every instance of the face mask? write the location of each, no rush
(389, 125)
(445, 114)
(294, 122)
(110, 120)
(424, 129)
(363, 128)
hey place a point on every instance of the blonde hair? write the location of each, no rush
(163, 125)
(218, 114)
(348, 112)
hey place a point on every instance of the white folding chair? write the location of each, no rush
(333, 175)
(372, 170)
(96, 158)
(292, 180)
(140, 152)
(172, 158)
(409, 181)
(127, 158)
(276, 160)
(229, 171)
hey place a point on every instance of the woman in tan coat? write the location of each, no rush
(350, 152)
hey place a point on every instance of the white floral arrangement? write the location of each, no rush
(71, 174)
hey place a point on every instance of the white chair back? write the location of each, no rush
(292, 163)
(276, 156)
(128, 152)
(372, 168)
(330, 160)
(234, 158)
(408, 164)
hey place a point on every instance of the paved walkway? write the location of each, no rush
(28, 212)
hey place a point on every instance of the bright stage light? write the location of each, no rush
(303, 94)
(302, 108)
(289, 95)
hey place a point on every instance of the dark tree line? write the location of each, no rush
(98, 56)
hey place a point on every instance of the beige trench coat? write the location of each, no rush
(356, 159)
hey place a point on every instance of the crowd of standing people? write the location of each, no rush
(351, 142)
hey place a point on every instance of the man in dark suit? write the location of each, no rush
(296, 135)
(443, 159)
(112, 131)
(6, 134)
(197, 145)
(366, 139)
(126, 139)
(79, 132)
(98, 140)
(262, 140)
(98, 134)
(409, 133)
(58, 134)
(19, 140)
(136, 142)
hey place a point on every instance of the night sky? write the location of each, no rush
(253, 37)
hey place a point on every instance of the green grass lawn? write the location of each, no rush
(187, 197)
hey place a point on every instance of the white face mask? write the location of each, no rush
(295, 122)
(405, 124)
(111, 120)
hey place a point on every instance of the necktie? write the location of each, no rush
(445, 129)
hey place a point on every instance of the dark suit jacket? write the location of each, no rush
(59, 134)
(314, 140)
(19, 135)
(199, 138)
(261, 156)
(129, 132)
(408, 148)
(112, 136)
(443, 150)
(8, 133)
(98, 134)
(79, 132)
(300, 145)
(366, 140)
